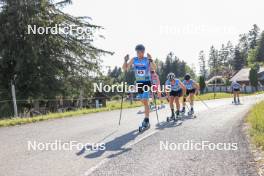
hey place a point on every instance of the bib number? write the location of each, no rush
(141, 73)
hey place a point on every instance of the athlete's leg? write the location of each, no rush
(171, 100)
(191, 100)
(234, 93)
(177, 101)
(145, 102)
(238, 100)
(184, 101)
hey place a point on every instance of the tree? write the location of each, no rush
(230, 50)
(202, 63)
(238, 61)
(202, 83)
(253, 76)
(173, 64)
(260, 49)
(252, 36)
(243, 46)
(46, 65)
(213, 61)
(223, 56)
(252, 54)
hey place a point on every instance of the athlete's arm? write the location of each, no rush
(167, 89)
(128, 63)
(197, 87)
(152, 64)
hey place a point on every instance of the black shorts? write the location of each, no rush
(236, 90)
(190, 91)
(143, 86)
(177, 93)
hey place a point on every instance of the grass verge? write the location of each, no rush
(112, 105)
(256, 121)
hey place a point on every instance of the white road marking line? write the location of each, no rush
(105, 160)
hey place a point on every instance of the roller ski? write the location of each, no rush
(191, 113)
(174, 118)
(183, 111)
(171, 118)
(236, 102)
(144, 126)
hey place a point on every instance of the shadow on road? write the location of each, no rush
(116, 145)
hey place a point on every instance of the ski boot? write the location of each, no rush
(183, 111)
(171, 118)
(234, 102)
(145, 125)
(191, 112)
(178, 116)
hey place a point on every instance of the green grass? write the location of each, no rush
(112, 105)
(256, 121)
(210, 96)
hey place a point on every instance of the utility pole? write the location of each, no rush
(14, 98)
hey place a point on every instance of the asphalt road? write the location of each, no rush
(129, 153)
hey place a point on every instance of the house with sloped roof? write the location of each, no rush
(216, 81)
(242, 76)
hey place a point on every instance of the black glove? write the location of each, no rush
(126, 58)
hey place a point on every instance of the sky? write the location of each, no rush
(184, 27)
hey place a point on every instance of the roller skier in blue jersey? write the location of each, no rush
(192, 88)
(142, 67)
(175, 89)
(235, 86)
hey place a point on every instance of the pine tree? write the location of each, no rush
(243, 46)
(213, 61)
(253, 36)
(238, 61)
(223, 56)
(202, 63)
(260, 49)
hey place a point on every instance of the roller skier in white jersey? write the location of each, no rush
(142, 66)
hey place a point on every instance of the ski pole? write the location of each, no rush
(120, 116)
(203, 102)
(155, 106)
(122, 101)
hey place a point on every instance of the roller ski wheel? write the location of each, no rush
(191, 112)
(143, 127)
(171, 119)
(194, 116)
(178, 119)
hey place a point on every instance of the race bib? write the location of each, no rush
(141, 73)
